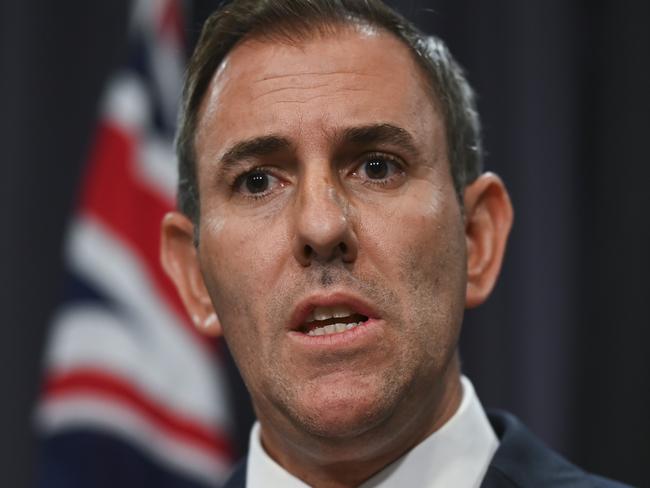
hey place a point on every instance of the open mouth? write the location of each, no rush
(331, 320)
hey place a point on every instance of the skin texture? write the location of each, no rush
(326, 229)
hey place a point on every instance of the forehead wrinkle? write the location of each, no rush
(316, 97)
(298, 83)
(307, 73)
(279, 89)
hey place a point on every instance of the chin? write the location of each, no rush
(341, 414)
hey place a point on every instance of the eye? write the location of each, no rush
(256, 183)
(379, 169)
(376, 168)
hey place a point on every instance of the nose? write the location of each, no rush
(323, 225)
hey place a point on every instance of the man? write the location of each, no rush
(334, 224)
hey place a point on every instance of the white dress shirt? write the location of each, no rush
(456, 455)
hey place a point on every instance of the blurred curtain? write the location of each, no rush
(563, 93)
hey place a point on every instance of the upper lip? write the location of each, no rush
(305, 306)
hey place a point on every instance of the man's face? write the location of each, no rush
(325, 189)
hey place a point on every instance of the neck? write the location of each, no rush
(347, 462)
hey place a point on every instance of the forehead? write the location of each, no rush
(354, 77)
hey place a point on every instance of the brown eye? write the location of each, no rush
(376, 168)
(257, 182)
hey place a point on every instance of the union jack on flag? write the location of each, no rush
(133, 395)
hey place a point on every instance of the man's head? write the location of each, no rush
(330, 239)
(297, 20)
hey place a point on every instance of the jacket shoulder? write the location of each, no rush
(523, 461)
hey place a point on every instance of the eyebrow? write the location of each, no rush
(367, 135)
(256, 147)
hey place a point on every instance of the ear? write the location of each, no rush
(180, 261)
(488, 219)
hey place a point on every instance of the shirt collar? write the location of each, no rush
(458, 454)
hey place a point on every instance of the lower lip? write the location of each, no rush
(360, 333)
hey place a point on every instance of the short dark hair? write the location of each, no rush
(293, 20)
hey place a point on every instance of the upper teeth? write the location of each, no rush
(326, 313)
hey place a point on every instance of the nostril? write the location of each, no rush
(307, 251)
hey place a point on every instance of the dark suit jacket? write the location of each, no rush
(521, 461)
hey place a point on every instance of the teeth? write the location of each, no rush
(332, 329)
(325, 313)
(340, 327)
(340, 312)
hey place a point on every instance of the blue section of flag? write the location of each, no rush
(139, 62)
(77, 290)
(91, 459)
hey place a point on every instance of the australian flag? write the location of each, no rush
(133, 396)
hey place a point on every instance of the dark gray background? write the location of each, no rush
(563, 92)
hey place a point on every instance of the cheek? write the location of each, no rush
(234, 263)
(434, 270)
(418, 235)
(419, 245)
(224, 267)
(241, 261)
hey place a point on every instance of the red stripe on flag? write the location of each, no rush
(171, 22)
(113, 194)
(105, 385)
